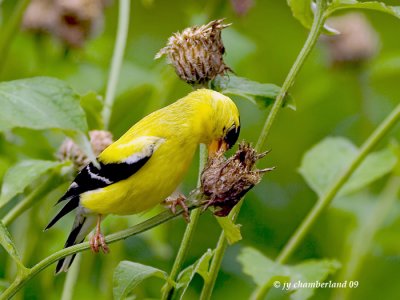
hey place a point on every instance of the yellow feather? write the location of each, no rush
(175, 132)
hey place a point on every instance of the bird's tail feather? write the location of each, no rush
(81, 227)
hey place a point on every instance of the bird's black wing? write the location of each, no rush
(91, 178)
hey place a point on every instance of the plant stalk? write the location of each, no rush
(167, 290)
(163, 217)
(117, 58)
(311, 40)
(327, 198)
(10, 30)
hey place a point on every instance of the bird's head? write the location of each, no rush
(224, 123)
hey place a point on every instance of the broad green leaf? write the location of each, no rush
(324, 162)
(375, 166)
(8, 244)
(200, 267)
(301, 10)
(43, 103)
(21, 175)
(40, 103)
(263, 94)
(311, 271)
(231, 230)
(264, 271)
(129, 274)
(359, 204)
(372, 5)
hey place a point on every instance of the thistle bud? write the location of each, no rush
(99, 140)
(197, 52)
(356, 42)
(225, 181)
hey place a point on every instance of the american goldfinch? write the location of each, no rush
(145, 165)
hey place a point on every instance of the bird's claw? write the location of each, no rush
(98, 241)
(173, 202)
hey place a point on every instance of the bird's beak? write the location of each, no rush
(217, 146)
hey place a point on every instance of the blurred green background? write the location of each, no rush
(343, 99)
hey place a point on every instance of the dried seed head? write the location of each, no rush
(197, 52)
(72, 21)
(99, 139)
(225, 181)
(357, 41)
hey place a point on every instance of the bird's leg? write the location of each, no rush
(97, 240)
(173, 201)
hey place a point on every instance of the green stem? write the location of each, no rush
(326, 199)
(32, 198)
(187, 236)
(10, 30)
(214, 267)
(312, 38)
(163, 217)
(368, 227)
(116, 62)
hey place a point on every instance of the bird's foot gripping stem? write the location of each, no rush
(173, 201)
(98, 241)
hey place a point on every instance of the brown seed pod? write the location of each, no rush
(99, 139)
(197, 52)
(225, 181)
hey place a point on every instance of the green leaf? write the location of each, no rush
(359, 205)
(373, 5)
(8, 245)
(301, 10)
(21, 175)
(200, 267)
(231, 230)
(264, 271)
(129, 274)
(263, 94)
(375, 166)
(40, 103)
(324, 162)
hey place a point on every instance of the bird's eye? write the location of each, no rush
(232, 136)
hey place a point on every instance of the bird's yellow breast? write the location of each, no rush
(154, 182)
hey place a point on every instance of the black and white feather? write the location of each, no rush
(91, 178)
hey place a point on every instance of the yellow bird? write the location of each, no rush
(145, 165)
